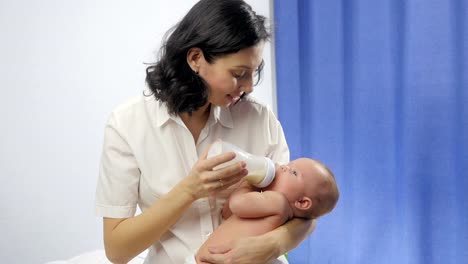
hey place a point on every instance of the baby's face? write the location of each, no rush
(297, 178)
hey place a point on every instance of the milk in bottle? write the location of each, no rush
(261, 169)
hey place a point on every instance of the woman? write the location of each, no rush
(155, 146)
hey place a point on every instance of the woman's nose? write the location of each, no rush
(248, 88)
(247, 85)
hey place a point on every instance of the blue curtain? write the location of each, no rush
(378, 91)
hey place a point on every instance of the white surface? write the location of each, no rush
(64, 66)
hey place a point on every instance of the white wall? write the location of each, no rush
(64, 66)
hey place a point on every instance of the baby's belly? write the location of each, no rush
(236, 227)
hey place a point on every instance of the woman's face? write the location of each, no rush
(230, 76)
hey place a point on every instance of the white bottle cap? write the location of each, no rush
(269, 175)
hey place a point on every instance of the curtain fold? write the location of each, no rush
(378, 91)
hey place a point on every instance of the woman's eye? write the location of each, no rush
(239, 74)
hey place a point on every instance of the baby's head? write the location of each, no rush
(309, 186)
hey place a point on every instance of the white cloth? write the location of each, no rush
(147, 151)
(190, 260)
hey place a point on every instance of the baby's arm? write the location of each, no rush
(244, 187)
(260, 204)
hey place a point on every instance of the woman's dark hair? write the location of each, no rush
(217, 27)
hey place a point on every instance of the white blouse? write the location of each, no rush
(147, 151)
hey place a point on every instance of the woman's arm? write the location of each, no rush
(291, 234)
(261, 249)
(125, 238)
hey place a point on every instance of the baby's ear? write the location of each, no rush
(303, 204)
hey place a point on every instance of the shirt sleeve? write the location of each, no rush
(118, 181)
(277, 145)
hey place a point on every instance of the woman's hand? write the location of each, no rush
(203, 181)
(256, 249)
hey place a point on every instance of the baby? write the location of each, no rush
(303, 188)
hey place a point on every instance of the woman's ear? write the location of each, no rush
(194, 57)
(304, 203)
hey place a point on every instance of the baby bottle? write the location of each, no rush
(261, 169)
